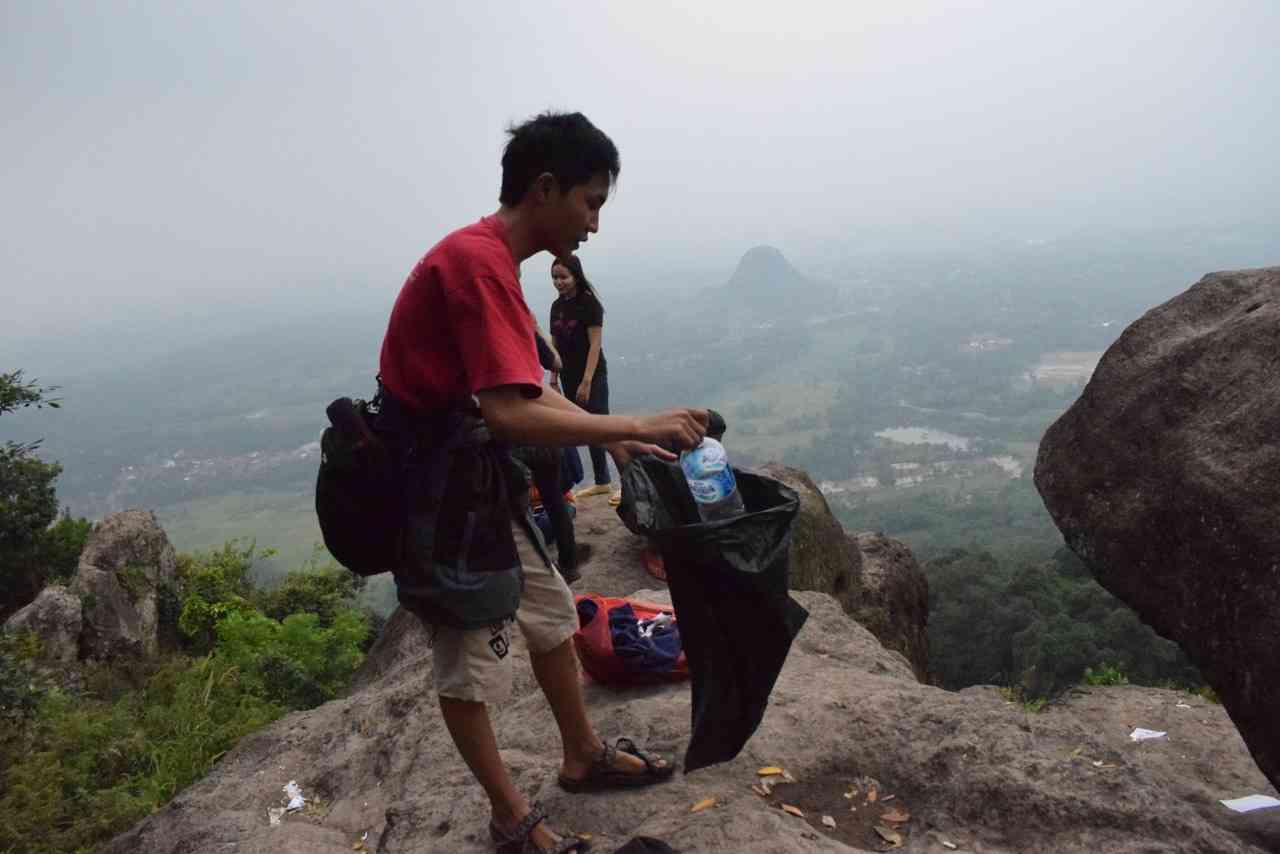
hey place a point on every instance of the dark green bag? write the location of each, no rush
(427, 497)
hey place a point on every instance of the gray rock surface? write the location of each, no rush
(822, 557)
(1165, 478)
(971, 767)
(122, 570)
(895, 598)
(56, 618)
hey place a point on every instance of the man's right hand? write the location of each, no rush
(677, 429)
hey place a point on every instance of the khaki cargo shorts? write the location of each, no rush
(475, 664)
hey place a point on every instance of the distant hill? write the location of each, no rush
(766, 284)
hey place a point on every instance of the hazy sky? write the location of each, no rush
(161, 154)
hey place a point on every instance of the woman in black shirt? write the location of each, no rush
(577, 328)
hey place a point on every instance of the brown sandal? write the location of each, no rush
(603, 775)
(520, 840)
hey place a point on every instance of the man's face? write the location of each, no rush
(573, 215)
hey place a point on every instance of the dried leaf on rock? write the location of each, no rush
(761, 791)
(872, 795)
(795, 811)
(896, 815)
(893, 837)
(705, 803)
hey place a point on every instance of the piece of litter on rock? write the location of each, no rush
(951, 846)
(1183, 706)
(769, 771)
(274, 815)
(705, 803)
(828, 821)
(893, 837)
(1097, 763)
(1140, 734)
(887, 798)
(1251, 803)
(795, 811)
(294, 794)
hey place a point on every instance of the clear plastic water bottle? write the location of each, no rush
(711, 480)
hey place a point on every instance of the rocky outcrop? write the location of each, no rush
(875, 579)
(56, 618)
(969, 768)
(1165, 478)
(895, 598)
(124, 570)
(822, 557)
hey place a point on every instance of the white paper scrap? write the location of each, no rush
(294, 794)
(1141, 734)
(1251, 803)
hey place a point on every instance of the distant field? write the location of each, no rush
(284, 521)
(805, 387)
(1066, 368)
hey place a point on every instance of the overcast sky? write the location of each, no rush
(161, 154)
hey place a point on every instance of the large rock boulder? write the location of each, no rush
(124, 570)
(895, 598)
(56, 618)
(822, 557)
(1165, 478)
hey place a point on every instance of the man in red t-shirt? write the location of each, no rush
(461, 336)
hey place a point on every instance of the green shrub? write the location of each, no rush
(85, 770)
(319, 590)
(213, 586)
(76, 771)
(296, 663)
(1105, 674)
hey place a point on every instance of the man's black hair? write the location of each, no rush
(567, 145)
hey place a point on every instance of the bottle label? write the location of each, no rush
(713, 487)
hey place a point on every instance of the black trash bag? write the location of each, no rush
(728, 581)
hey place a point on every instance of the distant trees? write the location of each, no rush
(1038, 627)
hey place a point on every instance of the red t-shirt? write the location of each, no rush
(460, 324)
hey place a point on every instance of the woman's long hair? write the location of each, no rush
(574, 266)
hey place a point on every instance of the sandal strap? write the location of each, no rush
(627, 745)
(523, 829)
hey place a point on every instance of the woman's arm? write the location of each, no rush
(595, 335)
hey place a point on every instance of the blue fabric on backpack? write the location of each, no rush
(654, 654)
